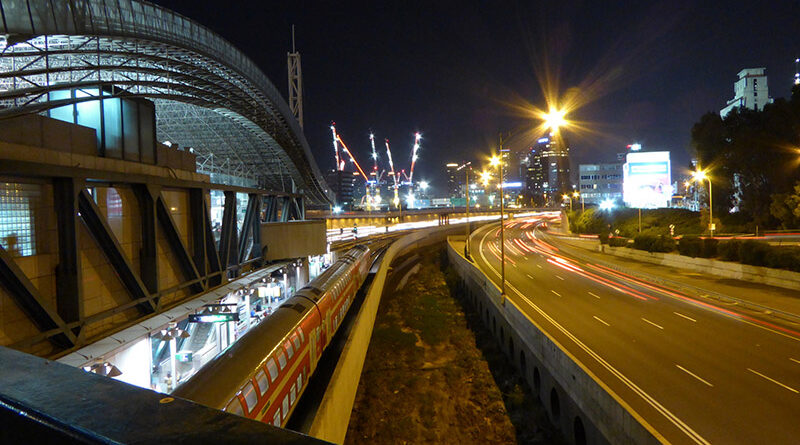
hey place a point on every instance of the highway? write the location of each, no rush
(694, 372)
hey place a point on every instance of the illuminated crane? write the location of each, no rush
(339, 166)
(396, 199)
(417, 137)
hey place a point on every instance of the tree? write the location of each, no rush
(786, 208)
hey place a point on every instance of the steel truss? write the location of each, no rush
(208, 95)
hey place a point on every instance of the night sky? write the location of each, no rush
(462, 72)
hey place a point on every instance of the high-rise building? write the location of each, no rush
(600, 182)
(453, 182)
(555, 169)
(750, 91)
(533, 177)
(342, 184)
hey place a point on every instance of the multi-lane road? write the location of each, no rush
(694, 372)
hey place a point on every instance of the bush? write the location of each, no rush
(784, 258)
(618, 242)
(753, 252)
(709, 248)
(690, 246)
(729, 250)
(654, 243)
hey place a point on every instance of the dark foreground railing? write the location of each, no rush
(42, 401)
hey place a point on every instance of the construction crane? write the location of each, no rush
(417, 137)
(339, 166)
(396, 199)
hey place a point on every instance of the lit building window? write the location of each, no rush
(16, 218)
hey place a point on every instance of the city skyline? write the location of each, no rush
(456, 71)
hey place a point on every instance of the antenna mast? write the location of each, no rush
(295, 83)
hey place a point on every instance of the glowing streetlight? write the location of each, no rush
(423, 185)
(566, 197)
(578, 195)
(607, 204)
(554, 119)
(699, 176)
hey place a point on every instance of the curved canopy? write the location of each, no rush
(208, 95)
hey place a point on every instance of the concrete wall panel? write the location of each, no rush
(293, 239)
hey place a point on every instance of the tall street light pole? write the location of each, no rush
(699, 176)
(498, 162)
(466, 167)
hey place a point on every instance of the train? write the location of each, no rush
(263, 374)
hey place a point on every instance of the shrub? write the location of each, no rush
(753, 252)
(618, 242)
(709, 248)
(654, 243)
(783, 258)
(729, 250)
(690, 246)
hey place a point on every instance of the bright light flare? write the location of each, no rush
(607, 204)
(494, 161)
(555, 119)
(423, 185)
(699, 175)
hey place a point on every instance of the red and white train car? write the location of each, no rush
(263, 374)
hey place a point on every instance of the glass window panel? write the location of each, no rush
(112, 128)
(273, 370)
(130, 130)
(234, 407)
(88, 113)
(289, 349)
(250, 396)
(285, 406)
(17, 229)
(263, 383)
(282, 360)
(296, 341)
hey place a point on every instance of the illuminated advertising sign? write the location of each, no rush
(647, 180)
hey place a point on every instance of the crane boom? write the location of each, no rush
(417, 137)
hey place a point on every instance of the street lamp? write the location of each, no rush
(497, 161)
(565, 197)
(699, 175)
(577, 195)
(466, 167)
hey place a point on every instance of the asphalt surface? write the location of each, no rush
(692, 371)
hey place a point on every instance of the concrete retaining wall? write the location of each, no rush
(333, 415)
(576, 402)
(764, 275)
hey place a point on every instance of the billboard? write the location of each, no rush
(647, 180)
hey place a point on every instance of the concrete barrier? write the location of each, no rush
(728, 269)
(581, 406)
(333, 414)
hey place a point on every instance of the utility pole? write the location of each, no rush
(296, 84)
(466, 166)
(502, 229)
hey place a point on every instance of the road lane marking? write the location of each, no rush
(675, 420)
(774, 381)
(693, 374)
(794, 360)
(648, 321)
(539, 266)
(685, 316)
(551, 290)
(557, 276)
(594, 295)
(601, 321)
(529, 276)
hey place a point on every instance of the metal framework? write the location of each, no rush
(208, 95)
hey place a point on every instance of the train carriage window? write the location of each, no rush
(234, 407)
(302, 335)
(285, 406)
(250, 396)
(299, 381)
(273, 370)
(277, 419)
(296, 341)
(289, 349)
(292, 394)
(281, 360)
(263, 383)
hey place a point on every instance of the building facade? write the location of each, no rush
(600, 182)
(750, 91)
(342, 184)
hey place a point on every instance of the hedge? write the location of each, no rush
(618, 242)
(654, 243)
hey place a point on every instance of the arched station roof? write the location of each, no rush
(208, 94)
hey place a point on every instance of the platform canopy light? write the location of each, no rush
(337, 209)
(104, 369)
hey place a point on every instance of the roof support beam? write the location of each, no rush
(148, 255)
(108, 243)
(69, 286)
(178, 248)
(30, 301)
(228, 246)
